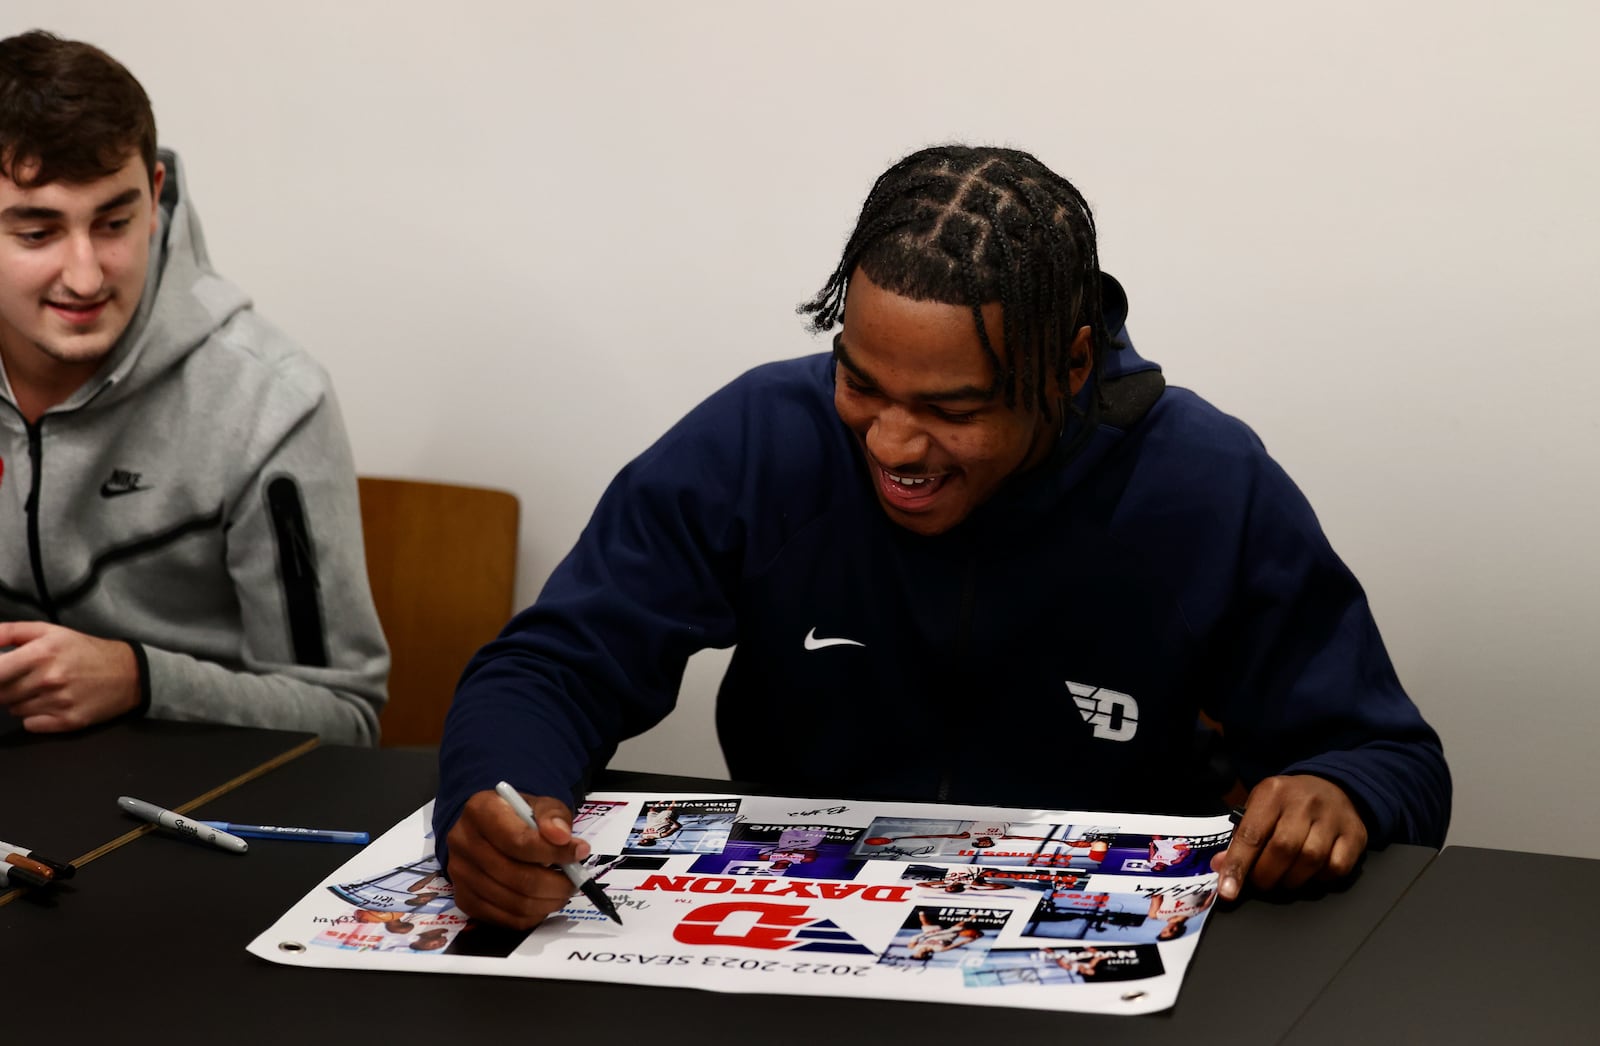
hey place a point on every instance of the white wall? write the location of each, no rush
(525, 237)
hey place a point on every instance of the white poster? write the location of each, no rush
(990, 907)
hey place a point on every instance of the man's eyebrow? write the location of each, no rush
(122, 199)
(964, 393)
(21, 213)
(24, 213)
(842, 356)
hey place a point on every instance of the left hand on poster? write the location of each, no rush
(501, 868)
(1295, 828)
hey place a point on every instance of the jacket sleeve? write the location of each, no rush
(600, 655)
(1305, 684)
(312, 653)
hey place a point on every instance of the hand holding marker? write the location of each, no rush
(574, 871)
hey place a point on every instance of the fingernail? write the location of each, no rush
(561, 822)
(583, 849)
(1229, 887)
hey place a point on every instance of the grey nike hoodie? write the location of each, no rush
(197, 498)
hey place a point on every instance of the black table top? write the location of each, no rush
(58, 792)
(1486, 946)
(165, 918)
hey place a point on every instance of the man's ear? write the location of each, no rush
(157, 180)
(1080, 362)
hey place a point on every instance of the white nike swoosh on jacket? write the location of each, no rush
(813, 643)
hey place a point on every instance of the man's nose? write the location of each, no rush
(82, 272)
(897, 438)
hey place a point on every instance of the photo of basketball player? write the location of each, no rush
(986, 835)
(794, 846)
(1176, 909)
(1080, 965)
(1168, 852)
(431, 886)
(430, 940)
(960, 880)
(936, 938)
(941, 936)
(419, 888)
(393, 922)
(682, 826)
(373, 930)
(660, 822)
(1060, 965)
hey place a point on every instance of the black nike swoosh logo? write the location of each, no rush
(108, 491)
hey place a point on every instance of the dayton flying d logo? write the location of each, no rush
(769, 927)
(1114, 716)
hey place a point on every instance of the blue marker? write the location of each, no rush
(272, 831)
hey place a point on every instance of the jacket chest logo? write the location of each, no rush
(123, 482)
(816, 642)
(1114, 716)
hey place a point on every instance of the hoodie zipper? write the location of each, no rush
(35, 431)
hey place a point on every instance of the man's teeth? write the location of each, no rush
(909, 481)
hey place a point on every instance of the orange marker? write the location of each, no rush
(29, 864)
(17, 875)
(62, 869)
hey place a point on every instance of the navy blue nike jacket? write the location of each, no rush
(1053, 650)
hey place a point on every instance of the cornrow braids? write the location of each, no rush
(965, 225)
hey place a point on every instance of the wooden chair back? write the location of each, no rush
(442, 560)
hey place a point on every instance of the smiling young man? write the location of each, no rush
(179, 530)
(915, 386)
(985, 517)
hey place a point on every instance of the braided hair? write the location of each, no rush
(965, 225)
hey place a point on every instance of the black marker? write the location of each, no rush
(13, 875)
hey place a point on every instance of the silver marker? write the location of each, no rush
(178, 823)
(574, 872)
